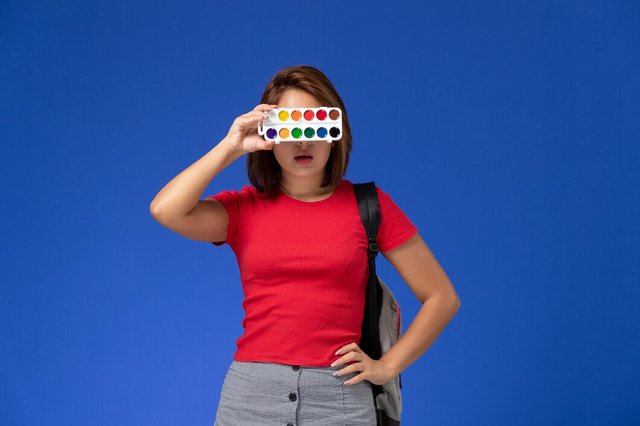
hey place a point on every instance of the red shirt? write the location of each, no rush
(304, 270)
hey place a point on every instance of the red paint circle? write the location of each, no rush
(308, 115)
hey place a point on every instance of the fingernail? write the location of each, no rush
(336, 373)
(333, 364)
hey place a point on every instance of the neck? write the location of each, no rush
(303, 187)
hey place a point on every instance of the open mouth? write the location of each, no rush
(303, 158)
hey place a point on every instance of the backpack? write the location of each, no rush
(382, 323)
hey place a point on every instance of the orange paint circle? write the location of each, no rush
(284, 133)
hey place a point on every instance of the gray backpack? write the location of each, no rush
(382, 323)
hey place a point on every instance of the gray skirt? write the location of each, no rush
(260, 393)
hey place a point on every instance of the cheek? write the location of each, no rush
(326, 152)
(278, 153)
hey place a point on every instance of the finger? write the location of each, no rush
(250, 119)
(349, 347)
(261, 107)
(351, 368)
(354, 380)
(265, 107)
(256, 113)
(351, 356)
(267, 144)
(250, 115)
(357, 378)
(264, 114)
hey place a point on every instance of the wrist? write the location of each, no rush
(389, 367)
(230, 148)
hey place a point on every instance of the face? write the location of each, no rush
(285, 152)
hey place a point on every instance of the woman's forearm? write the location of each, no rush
(433, 317)
(181, 195)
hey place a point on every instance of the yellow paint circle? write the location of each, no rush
(283, 115)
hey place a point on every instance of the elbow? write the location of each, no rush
(154, 209)
(449, 301)
(455, 302)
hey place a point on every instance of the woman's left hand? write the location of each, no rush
(375, 371)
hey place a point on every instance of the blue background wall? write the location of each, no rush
(506, 130)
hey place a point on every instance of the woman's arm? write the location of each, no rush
(178, 206)
(421, 271)
(181, 194)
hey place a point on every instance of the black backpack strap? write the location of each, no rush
(369, 207)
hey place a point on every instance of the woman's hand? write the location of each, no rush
(243, 134)
(375, 371)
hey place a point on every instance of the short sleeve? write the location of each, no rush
(230, 200)
(395, 226)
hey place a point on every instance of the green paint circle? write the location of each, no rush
(309, 132)
(296, 132)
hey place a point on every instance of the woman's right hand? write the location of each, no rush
(243, 134)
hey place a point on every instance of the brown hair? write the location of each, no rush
(262, 167)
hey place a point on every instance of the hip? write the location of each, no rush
(270, 393)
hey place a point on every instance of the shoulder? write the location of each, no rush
(247, 192)
(383, 196)
(386, 200)
(346, 183)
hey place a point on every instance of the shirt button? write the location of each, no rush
(296, 367)
(292, 396)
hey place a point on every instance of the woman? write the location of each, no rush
(302, 253)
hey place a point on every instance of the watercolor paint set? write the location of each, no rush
(302, 124)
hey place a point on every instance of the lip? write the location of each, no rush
(303, 153)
